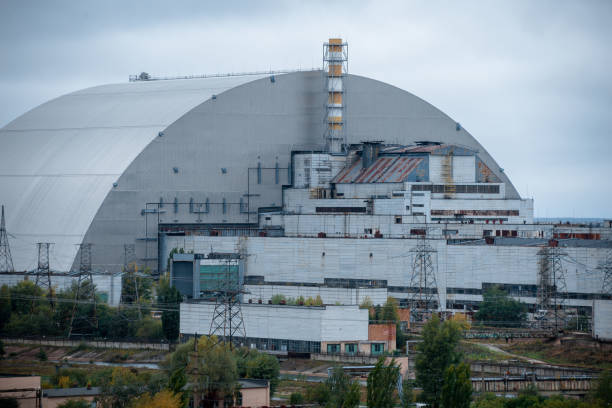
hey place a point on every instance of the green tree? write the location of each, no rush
(382, 383)
(407, 397)
(499, 309)
(170, 298)
(81, 403)
(25, 296)
(136, 285)
(602, 392)
(213, 371)
(389, 311)
(437, 352)
(5, 306)
(318, 394)
(149, 328)
(343, 391)
(457, 388)
(296, 398)
(253, 364)
(488, 400)
(121, 388)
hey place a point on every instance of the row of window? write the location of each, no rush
(459, 188)
(480, 213)
(352, 348)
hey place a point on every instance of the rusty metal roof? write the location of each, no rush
(386, 169)
(434, 148)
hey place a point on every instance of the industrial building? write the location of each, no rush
(302, 183)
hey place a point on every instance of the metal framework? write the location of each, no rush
(130, 271)
(552, 287)
(335, 68)
(227, 322)
(85, 293)
(423, 279)
(606, 269)
(6, 261)
(43, 271)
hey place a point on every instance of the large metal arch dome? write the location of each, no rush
(82, 167)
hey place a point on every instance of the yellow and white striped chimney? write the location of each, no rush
(335, 66)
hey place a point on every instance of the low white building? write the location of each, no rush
(285, 328)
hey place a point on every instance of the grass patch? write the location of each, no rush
(582, 355)
(477, 352)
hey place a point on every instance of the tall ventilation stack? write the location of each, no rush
(335, 66)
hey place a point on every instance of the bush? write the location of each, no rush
(41, 355)
(278, 299)
(296, 398)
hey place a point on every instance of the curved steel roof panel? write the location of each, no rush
(60, 160)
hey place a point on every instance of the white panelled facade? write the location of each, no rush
(328, 323)
(297, 261)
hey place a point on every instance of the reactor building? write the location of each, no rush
(308, 183)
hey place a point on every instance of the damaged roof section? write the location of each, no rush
(386, 169)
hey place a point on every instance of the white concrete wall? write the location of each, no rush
(602, 319)
(330, 323)
(462, 266)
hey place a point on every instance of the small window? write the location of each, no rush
(350, 348)
(268, 218)
(398, 220)
(377, 348)
(407, 207)
(418, 205)
(367, 230)
(333, 348)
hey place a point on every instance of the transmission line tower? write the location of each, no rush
(43, 271)
(227, 322)
(423, 279)
(606, 268)
(130, 273)
(85, 294)
(6, 261)
(552, 287)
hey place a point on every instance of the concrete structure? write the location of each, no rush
(116, 164)
(315, 190)
(602, 320)
(310, 329)
(26, 390)
(53, 398)
(348, 270)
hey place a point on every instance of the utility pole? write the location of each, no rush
(85, 293)
(423, 279)
(6, 261)
(43, 271)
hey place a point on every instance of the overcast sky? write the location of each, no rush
(531, 80)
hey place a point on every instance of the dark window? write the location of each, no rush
(259, 173)
(377, 348)
(341, 209)
(333, 348)
(398, 220)
(350, 348)
(276, 174)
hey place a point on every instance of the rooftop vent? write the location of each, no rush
(370, 153)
